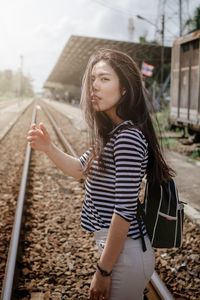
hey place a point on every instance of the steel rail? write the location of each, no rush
(160, 287)
(8, 282)
(59, 132)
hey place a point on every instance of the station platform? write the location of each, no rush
(188, 182)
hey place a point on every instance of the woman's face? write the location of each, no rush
(105, 88)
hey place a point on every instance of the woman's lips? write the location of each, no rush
(95, 98)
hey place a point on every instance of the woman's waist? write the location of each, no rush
(130, 242)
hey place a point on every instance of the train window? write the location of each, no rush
(195, 44)
(185, 47)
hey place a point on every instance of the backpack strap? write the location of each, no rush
(140, 210)
(141, 215)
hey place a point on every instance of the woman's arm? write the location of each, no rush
(114, 243)
(129, 155)
(100, 286)
(40, 140)
(68, 164)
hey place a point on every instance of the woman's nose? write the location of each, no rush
(95, 85)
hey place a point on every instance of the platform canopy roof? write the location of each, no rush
(71, 64)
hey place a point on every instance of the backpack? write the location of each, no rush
(163, 215)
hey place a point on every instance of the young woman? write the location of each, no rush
(123, 149)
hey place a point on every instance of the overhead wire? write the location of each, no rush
(122, 11)
(129, 13)
(115, 8)
(118, 8)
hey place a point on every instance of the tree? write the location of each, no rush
(143, 40)
(193, 23)
(15, 84)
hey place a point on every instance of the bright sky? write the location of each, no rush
(39, 29)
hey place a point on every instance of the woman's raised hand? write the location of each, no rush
(39, 138)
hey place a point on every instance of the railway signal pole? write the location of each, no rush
(21, 76)
(20, 91)
(180, 19)
(162, 59)
(131, 29)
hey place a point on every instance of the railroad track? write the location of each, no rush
(13, 260)
(57, 217)
(20, 265)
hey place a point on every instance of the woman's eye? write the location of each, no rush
(104, 79)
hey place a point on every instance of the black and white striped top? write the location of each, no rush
(116, 189)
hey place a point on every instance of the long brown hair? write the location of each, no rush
(133, 105)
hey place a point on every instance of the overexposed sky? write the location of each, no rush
(39, 29)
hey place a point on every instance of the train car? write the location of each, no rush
(185, 83)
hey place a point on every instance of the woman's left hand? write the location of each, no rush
(100, 287)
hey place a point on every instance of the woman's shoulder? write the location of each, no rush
(131, 134)
(131, 139)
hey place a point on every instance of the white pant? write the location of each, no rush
(132, 270)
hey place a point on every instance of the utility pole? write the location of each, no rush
(162, 54)
(131, 28)
(21, 77)
(180, 18)
(162, 57)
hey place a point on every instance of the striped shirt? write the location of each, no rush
(116, 188)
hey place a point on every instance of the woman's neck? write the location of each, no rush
(114, 118)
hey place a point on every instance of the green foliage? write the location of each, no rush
(170, 143)
(193, 23)
(161, 125)
(196, 154)
(162, 119)
(143, 40)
